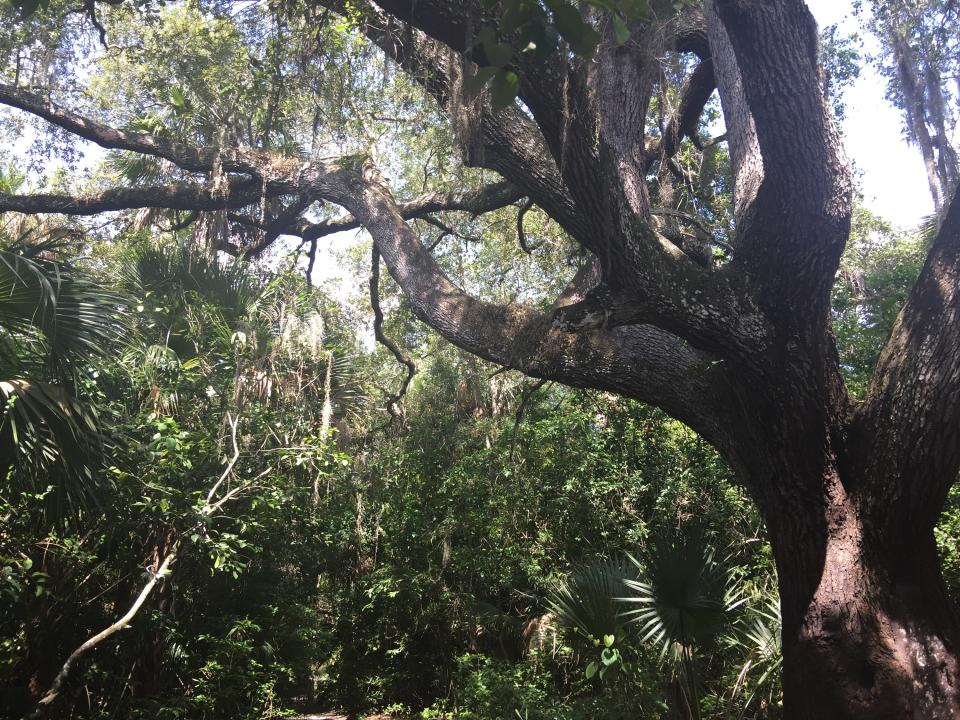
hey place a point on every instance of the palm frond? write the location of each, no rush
(41, 298)
(682, 599)
(53, 321)
(587, 602)
(758, 638)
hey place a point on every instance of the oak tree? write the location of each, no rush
(736, 343)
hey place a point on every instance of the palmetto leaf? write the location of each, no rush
(53, 320)
(45, 300)
(759, 639)
(587, 602)
(682, 599)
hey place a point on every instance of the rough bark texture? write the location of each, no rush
(742, 351)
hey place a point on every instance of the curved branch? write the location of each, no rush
(793, 191)
(479, 201)
(521, 235)
(278, 226)
(640, 360)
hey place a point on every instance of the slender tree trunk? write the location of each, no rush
(868, 631)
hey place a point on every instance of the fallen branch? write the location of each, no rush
(61, 677)
(209, 508)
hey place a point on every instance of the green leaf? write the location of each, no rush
(498, 53)
(486, 35)
(540, 39)
(177, 98)
(568, 21)
(579, 33)
(504, 89)
(635, 9)
(592, 670)
(608, 640)
(620, 30)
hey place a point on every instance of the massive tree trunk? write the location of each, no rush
(741, 350)
(869, 634)
(868, 630)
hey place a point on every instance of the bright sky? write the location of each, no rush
(893, 179)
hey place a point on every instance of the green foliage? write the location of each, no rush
(170, 392)
(758, 637)
(54, 319)
(841, 60)
(455, 564)
(587, 601)
(682, 593)
(877, 271)
(536, 29)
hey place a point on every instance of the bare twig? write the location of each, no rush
(520, 410)
(402, 357)
(230, 464)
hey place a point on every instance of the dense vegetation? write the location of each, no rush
(226, 432)
(461, 561)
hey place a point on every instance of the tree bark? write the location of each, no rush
(868, 630)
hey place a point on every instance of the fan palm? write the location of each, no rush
(587, 604)
(587, 601)
(53, 320)
(683, 599)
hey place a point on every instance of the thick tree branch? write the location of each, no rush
(174, 196)
(694, 96)
(506, 141)
(911, 417)
(610, 214)
(642, 361)
(554, 89)
(477, 202)
(182, 155)
(793, 189)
